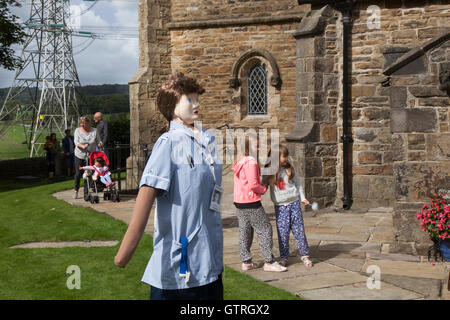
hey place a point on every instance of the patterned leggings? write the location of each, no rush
(255, 219)
(289, 217)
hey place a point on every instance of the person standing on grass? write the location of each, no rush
(52, 147)
(69, 149)
(48, 146)
(182, 174)
(285, 191)
(250, 212)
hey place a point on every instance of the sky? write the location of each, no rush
(104, 61)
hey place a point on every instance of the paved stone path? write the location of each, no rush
(64, 244)
(346, 248)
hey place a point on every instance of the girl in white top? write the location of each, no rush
(285, 191)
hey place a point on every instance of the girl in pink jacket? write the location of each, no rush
(250, 212)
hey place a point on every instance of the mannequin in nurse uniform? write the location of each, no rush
(178, 101)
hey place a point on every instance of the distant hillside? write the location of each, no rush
(106, 98)
(96, 90)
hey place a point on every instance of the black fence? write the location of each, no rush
(128, 159)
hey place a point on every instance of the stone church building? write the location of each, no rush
(359, 90)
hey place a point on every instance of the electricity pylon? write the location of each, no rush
(48, 74)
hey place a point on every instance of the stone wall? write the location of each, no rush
(146, 122)
(35, 167)
(313, 140)
(402, 24)
(204, 40)
(399, 119)
(208, 39)
(421, 138)
(200, 10)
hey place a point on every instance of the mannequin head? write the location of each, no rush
(178, 98)
(187, 109)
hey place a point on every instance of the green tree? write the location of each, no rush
(11, 32)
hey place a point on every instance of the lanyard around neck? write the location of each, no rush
(207, 157)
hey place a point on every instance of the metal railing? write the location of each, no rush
(128, 159)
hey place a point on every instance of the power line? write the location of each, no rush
(28, 2)
(119, 33)
(48, 75)
(115, 28)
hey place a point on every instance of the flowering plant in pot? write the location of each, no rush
(436, 221)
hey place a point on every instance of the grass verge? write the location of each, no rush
(33, 214)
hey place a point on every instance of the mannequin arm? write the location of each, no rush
(133, 235)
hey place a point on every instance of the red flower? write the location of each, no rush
(435, 218)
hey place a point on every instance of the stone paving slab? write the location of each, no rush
(355, 229)
(331, 237)
(380, 210)
(327, 255)
(358, 221)
(359, 291)
(295, 270)
(350, 246)
(382, 234)
(429, 288)
(385, 222)
(350, 264)
(318, 281)
(394, 257)
(64, 244)
(317, 229)
(410, 269)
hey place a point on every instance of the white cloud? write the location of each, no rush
(109, 61)
(105, 60)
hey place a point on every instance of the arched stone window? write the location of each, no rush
(257, 91)
(256, 79)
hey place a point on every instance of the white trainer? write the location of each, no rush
(274, 267)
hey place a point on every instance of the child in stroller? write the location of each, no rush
(98, 170)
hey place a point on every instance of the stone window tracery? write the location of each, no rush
(256, 81)
(257, 91)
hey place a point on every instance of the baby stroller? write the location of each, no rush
(96, 185)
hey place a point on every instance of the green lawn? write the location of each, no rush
(32, 214)
(12, 146)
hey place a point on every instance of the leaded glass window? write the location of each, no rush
(257, 91)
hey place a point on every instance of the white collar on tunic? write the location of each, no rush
(202, 137)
